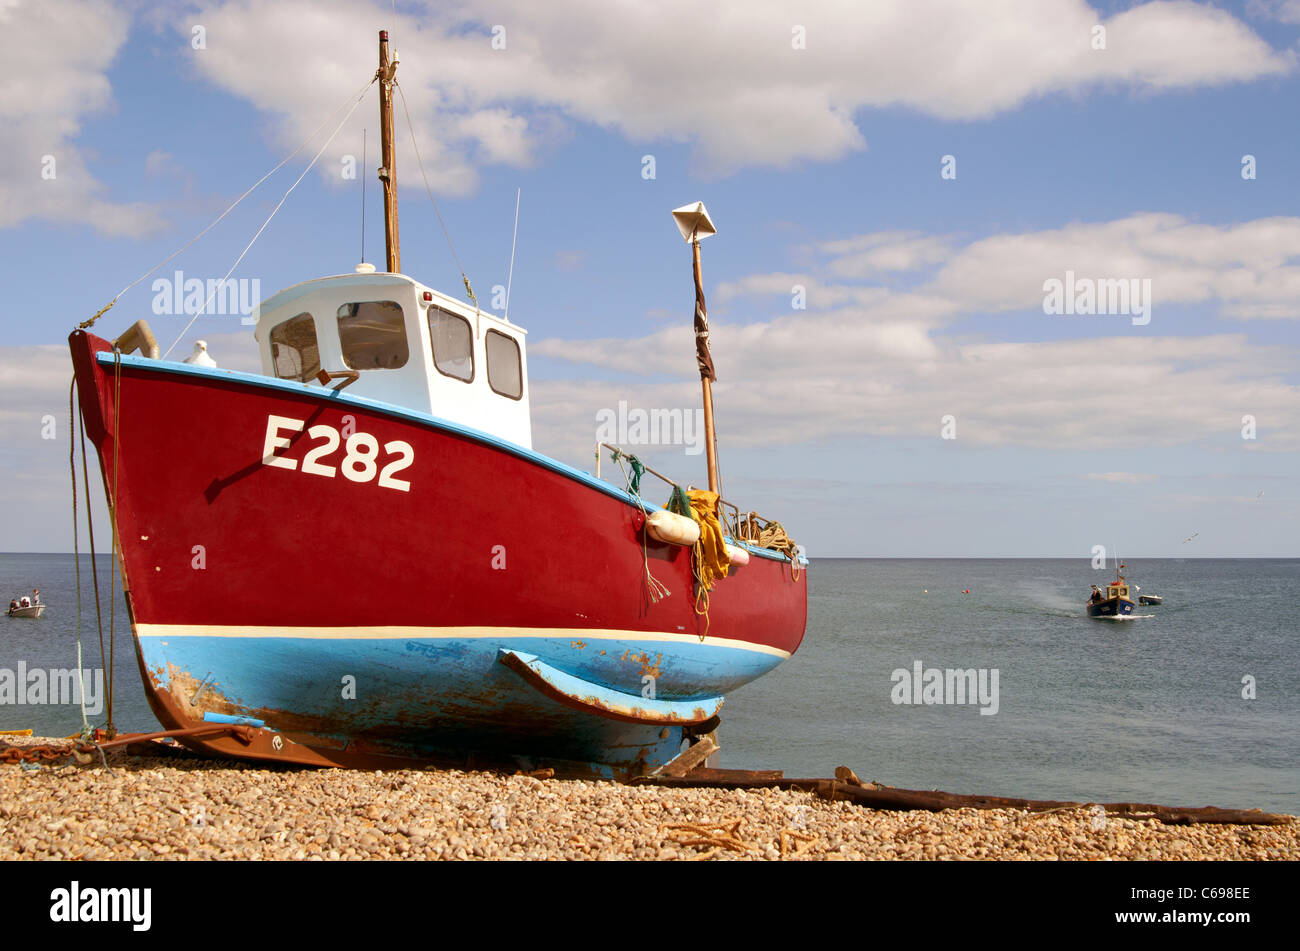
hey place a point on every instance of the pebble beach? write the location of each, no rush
(184, 807)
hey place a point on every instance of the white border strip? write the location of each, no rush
(415, 633)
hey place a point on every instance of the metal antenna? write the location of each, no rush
(363, 196)
(510, 276)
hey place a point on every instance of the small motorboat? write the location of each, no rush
(26, 607)
(1150, 599)
(1115, 601)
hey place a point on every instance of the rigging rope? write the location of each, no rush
(112, 565)
(679, 503)
(773, 536)
(409, 125)
(638, 469)
(90, 528)
(87, 324)
(658, 590)
(76, 549)
(274, 210)
(701, 590)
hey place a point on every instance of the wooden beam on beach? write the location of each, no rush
(692, 757)
(876, 796)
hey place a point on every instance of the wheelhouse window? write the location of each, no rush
(453, 344)
(505, 372)
(294, 350)
(373, 335)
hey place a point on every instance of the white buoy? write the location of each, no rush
(673, 528)
(200, 356)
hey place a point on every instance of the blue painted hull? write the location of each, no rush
(1110, 607)
(449, 698)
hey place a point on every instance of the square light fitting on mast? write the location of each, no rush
(693, 221)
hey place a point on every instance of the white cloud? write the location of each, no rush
(1285, 11)
(56, 54)
(724, 77)
(869, 360)
(884, 252)
(1250, 269)
(838, 380)
(158, 163)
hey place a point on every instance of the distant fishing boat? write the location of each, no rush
(357, 558)
(1115, 601)
(26, 607)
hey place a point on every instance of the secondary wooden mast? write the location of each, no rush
(388, 170)
(694, 223)
(707, 374)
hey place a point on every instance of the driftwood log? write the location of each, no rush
(876, 796)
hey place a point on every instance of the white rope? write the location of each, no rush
(510, 276)
(219, 217)
(317, 156)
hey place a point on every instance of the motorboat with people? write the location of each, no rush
(26, 606)
(1113, 601)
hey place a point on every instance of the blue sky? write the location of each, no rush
(821, 167)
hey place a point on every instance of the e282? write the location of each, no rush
(360, 462)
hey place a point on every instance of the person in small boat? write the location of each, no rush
(36, 596)
(26, 602)
(1096, 593)
(13, 605)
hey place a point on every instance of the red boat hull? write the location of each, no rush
(252, 517)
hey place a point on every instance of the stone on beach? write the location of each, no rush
(191, 808)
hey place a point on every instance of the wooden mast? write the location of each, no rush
(388, 171)
(706, 382)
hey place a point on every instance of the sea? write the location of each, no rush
(1194, 702)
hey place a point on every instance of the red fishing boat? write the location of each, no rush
(356, 557)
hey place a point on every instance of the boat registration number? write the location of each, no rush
(360, 462)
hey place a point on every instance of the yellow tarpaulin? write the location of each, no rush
(714, 560)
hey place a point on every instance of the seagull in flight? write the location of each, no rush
(1190, 537)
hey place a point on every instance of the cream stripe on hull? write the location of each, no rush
(388, 633)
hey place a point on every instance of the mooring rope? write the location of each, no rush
(112, 565)
(658, 590)
(76, 549)
(701, 589)
(87, 324)
(679, 503)
(90, 529)
(774, 536)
